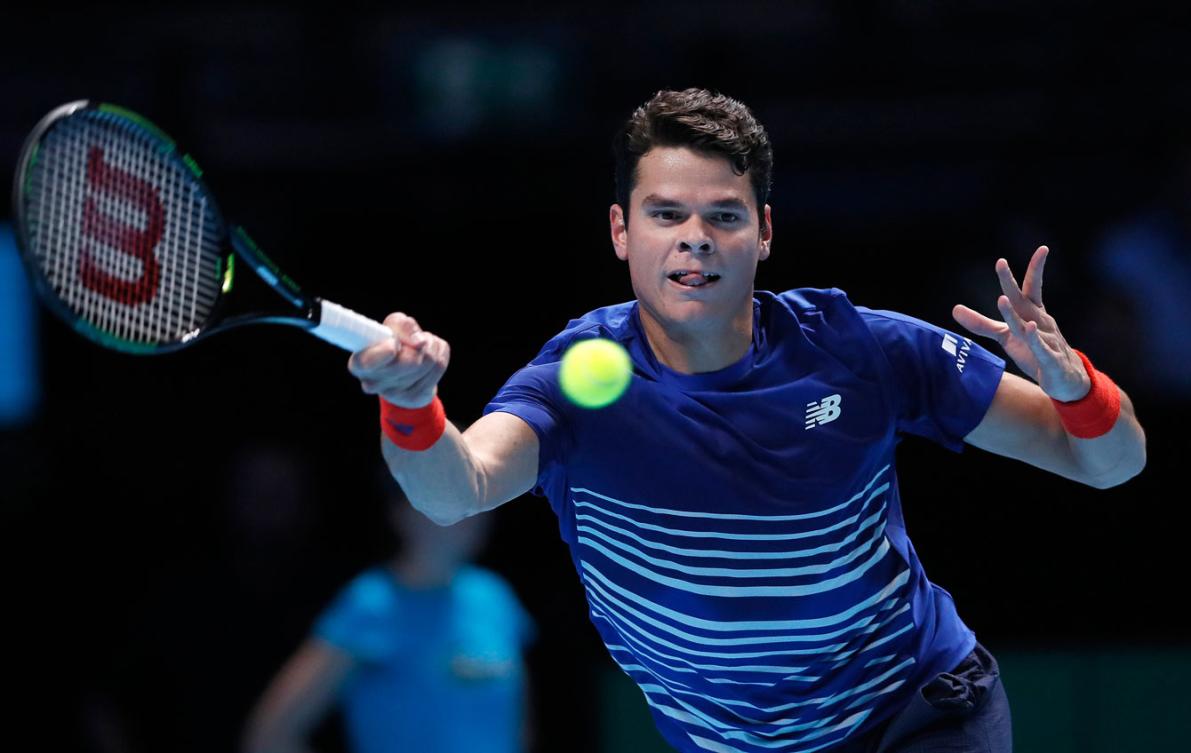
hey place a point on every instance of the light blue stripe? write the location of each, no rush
(844, 657)
(716, 747)
(638, 668)
(751, 625)
(861, 688)
(870, 696)
(729, 572)
(616, 647)
(730, 516)
(726, 681)
(729, 706)
(847, 725)
(829, 584)
(607, 599)
(670, 692)
(731, 727)
(822, 703)
(712, 745)
(645, 652)
(843, 524)
(729, 554)
(847, 655)
(730, 730)
(691, 715)
(619, 620)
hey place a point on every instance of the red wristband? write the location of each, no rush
(413, 428)
(1095, 413)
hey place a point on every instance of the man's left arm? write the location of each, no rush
(1073, 421)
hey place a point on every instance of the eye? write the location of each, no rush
(727, 218)
(665, 215)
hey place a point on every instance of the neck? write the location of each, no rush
(701, 348)
(423, 572)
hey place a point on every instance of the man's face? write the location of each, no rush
(692, 239)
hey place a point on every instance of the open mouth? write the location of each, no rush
(689, 279)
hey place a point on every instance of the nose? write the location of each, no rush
(695, 238)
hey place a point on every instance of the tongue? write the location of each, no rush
(692, 278)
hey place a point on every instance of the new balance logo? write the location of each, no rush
(958, 349)
(823, 411)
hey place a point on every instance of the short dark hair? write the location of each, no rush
(699, 119)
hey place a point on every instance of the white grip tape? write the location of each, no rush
(347, 329)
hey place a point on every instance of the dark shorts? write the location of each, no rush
(961, 711)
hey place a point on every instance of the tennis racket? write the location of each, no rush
(125, 243)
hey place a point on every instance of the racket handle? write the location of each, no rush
(347, 329)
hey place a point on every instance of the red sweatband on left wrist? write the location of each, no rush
(1095, 413)
(414, 429)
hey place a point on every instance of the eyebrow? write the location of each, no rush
(661, 201)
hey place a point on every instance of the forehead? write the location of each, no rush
(683, 174)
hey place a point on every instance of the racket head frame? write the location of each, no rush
(232, 242)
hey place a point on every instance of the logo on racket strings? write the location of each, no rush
(105, 179)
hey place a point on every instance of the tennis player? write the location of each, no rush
(735, 517)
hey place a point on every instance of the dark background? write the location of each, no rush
(172, 524)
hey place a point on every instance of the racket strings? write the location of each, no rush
(126, 238)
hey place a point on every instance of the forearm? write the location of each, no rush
(1023, 423)
(296, 699)
(445, 482)
(1112, 458)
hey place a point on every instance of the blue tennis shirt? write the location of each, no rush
(439, 669)
(739, 533)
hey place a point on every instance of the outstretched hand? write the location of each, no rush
(1028, 334)
(403, 370)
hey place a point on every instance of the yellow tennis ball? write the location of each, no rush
(594, 373)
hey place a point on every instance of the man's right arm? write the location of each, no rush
(468, 472)
(462, 473)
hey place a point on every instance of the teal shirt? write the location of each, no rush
(439, 669)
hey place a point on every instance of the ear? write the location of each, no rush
(766, 233)
(620, 232)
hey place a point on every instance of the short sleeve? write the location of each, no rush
(533, 395)
(942, 383)
(530, 395)
(360, 618)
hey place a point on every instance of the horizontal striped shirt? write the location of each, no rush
(739, 534)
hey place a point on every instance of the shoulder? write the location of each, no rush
(822, 314)
(808, 305)
(372, 592)
(612, 322)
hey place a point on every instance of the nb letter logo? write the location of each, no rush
(823, 411)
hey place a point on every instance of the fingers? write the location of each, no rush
(1009, 285)
(373, 357)
(404, 326)
(1031, 285)
(980, 324)
(406, 369)
(406, 333)
(1024, 330)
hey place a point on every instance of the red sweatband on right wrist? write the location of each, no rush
(414, 429)
(1095, 413)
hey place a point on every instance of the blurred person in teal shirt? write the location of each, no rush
(421, 653)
